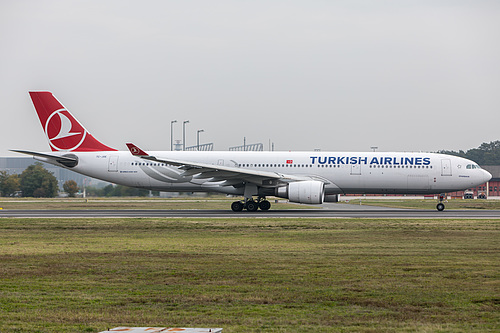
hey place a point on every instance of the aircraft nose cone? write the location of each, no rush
(486, 175)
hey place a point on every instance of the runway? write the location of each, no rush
(366, 212)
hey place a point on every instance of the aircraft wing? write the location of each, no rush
(220, 173)
(67, 160)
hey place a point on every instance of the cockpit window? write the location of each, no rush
(473, 166)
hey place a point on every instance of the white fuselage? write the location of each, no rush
(342, 172)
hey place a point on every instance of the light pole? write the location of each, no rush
(198, 139)
(172, 134)
(184, 134)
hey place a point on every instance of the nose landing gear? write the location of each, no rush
(440, 205)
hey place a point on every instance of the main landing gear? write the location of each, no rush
(440, 205)
(251, 205)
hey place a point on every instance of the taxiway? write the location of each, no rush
(366, 212)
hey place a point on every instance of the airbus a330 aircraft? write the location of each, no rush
(302, 177)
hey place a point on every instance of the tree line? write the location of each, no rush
(36, 181)
(485, 154)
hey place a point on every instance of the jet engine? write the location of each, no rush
(308, 192)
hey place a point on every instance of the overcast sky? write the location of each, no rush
(334, 75)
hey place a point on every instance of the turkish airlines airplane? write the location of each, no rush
(302, 177)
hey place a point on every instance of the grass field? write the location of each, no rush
(250, 275)
(215, 202)
(426, 203)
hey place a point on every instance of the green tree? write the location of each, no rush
(36, 181)
(70, 187)
(9, 184)
(485, 154)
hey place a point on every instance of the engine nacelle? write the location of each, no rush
(308, 192)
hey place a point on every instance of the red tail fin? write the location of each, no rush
(63, 131)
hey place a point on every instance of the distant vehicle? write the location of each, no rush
(468, 195)
(302, 177)
(481, 195)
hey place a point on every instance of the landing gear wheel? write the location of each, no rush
(252, 206)
(237, 206)
(440, 207)
(264, 205)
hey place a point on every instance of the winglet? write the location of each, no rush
(136, 151)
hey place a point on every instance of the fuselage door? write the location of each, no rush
(355, 169)
(220, 162)
(445, 167)
(113, 164)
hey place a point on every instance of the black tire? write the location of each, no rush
(440, 207)
(252, 206)
(237, 206)
(264, 205)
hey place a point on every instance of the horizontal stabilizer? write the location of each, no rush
(66, 160)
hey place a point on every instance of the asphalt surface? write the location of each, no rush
(341, 212)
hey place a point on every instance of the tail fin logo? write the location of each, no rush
(63, 131)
